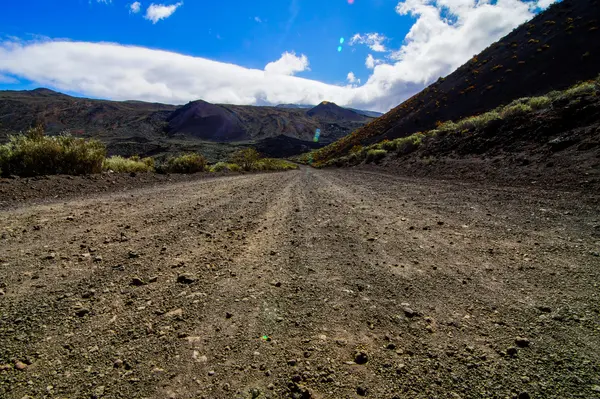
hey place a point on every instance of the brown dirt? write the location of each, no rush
(432, 280)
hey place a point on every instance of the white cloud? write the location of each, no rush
(371, 62)
(134, 8)
(257, 19)
(352, 78)
(104, 1)
(288, 64)
(156, 12)
(437, 43)
(373, 40)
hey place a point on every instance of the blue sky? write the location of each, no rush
(64, 46)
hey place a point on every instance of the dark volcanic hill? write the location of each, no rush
(554, 50)
(206, 121)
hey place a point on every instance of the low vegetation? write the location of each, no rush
(128, 165)
(521, 107)
(186, 163)
(35, 154)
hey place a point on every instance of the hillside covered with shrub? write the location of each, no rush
(556, 49)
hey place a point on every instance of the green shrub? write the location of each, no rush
(246, 158)
(35, 154)
(187, 163)
(275, 164)
(510, 111)
(538, 103)
(225, 167)
(389, 145)
(477, 122)
(119, 164)
(580, 90)
(375, 155)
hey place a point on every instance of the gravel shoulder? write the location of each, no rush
(304, 284)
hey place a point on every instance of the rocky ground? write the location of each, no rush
(305, 284)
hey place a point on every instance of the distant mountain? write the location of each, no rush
(554, 50)
(295, 106)
(371, 114)
(329, 111)
(136, 127)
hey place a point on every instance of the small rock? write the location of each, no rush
(361, 391)
(545, 309)
(291, 362)
(133, 255)
(595, 253)
(408, 312)
(596, 388)
(97, 258)
(361, 357)
(118, 363)
(270, 387)
(2, 293)
(153, 279)
(228, 315)
(99, 391)
(20, 365)
(136, 281)
(50, 256)
(175, 313)
(524, 395)
(186, 278)
(276, 283)
(522, 342)
(70, 218)
(273, 253)
(211, 373)
(391, 346)
(512, 351)
(81, 312)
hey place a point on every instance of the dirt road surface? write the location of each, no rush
(305, 284)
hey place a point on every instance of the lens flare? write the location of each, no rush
(317, 135)
(341, 40)
(339, 48)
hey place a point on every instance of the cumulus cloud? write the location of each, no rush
(257, 19)
(288, 64)
(352, 78)
(445, 34)
(373, 40)
(371, 62)
(134, 8)
(156, 12)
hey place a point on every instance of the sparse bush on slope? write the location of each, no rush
(35, 154)
(406, 145)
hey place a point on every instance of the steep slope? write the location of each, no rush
(554, 50)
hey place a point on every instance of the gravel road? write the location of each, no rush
(304, 284)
